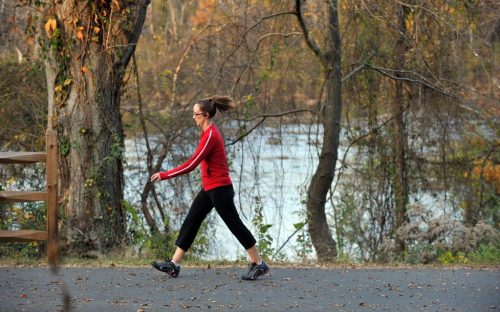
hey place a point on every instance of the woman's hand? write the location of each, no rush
(155, 177)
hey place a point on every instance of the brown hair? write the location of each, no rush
(214, 103)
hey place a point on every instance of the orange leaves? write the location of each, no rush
(202, 15)
(410, 21)
(79, 33)
(484, 170)
(50, 27)
(489, 171)
(85, 26)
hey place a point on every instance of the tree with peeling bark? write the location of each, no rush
(86, 47)
(321, 181)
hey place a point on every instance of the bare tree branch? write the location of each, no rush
(287, 240)
(423, 81)
(264, 117)
(243, 37)
(309, 41)
(149, 159)
(353, 72)
(284, 35)
(181, 61)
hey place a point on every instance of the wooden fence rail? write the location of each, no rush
(50, 196)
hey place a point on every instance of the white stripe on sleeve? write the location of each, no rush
(194, 160)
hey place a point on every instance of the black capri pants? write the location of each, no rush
(222, 199)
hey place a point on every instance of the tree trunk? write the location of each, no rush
(88, 46)
(321, 237)
(400, 184)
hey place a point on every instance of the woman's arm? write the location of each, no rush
(204, 147)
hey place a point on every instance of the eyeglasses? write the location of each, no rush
(197, 114)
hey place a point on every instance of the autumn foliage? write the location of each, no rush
(254, 51)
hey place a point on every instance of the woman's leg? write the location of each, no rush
(222, 197)
(254, 255)
(178, 255)
(200, 207)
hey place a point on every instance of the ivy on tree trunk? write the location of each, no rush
(87, 46)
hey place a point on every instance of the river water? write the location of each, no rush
(270, 168)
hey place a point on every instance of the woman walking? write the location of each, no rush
(217, 191)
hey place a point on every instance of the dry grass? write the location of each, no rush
(145, 263)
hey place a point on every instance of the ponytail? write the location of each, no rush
(214, 103)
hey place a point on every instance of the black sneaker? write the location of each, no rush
(168, 267)
(255, 271)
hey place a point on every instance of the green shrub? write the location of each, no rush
(25, 216)
(486, 253)
(264, 239)
(449, 258)
(420, 252)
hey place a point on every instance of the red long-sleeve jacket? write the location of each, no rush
(211, 153)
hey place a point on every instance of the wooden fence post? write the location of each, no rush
(51, 169)
(50, 157)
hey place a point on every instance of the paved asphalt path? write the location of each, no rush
(220, 289)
